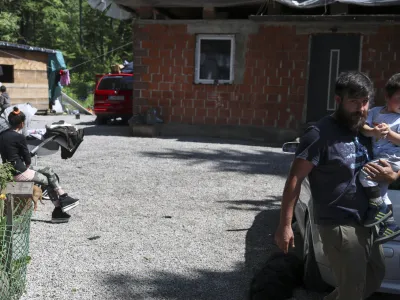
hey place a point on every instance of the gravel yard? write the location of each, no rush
(176, 218)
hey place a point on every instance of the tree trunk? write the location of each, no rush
(80, 24)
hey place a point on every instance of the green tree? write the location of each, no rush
(9, 26)
(73, 27)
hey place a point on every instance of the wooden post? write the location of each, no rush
(9, 233)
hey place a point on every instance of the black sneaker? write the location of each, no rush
(388, 231)
(45, 194)
(68, 202)
(58, 216)
(377, 213)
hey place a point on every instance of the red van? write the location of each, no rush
(113, 97)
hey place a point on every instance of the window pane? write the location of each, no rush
(122, 83)
(7, 73)
(215, 59)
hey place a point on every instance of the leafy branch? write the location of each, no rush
(6, 175)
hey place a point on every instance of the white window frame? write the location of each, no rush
(229, 37)
(331, 103)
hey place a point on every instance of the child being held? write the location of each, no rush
(383, 126)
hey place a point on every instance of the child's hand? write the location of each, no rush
(385, 130)
(381, 130)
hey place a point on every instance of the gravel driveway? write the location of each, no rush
(159, 218)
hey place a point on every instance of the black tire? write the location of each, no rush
(101, 121)
(312, 277)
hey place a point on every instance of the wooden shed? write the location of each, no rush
(24, 72)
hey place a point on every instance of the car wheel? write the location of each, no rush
(312, 277)
(101, 121)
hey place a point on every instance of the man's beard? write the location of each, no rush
(354, 121)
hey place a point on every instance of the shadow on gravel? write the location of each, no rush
(259, 162)
(202, 285)
(216, 140)
(260, 237)
(253, 205)
(206, 284)
(89, 123)
(41, 221)
(260, 243)
(106, 130)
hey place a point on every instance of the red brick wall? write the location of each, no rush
(272, 92)
(381, 57)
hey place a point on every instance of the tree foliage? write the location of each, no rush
(81, 35)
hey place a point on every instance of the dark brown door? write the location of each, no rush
(330, 54)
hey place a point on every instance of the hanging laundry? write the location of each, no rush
(64, 78)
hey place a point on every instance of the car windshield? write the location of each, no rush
(121, 83)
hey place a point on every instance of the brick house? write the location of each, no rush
(230, 72)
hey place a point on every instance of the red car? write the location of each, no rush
(113, 97)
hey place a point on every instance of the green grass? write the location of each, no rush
(88, 102)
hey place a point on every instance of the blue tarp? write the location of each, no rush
(55, 64)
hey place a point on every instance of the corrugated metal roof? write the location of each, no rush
(7, 45)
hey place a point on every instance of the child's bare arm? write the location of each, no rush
(394, 137)
(368, 131)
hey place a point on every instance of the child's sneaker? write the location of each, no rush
(377, 213)
(387, 231)
(58, 216)
(67, 202)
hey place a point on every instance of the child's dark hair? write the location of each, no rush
(16, 117)
(392, 85)
(3, 89)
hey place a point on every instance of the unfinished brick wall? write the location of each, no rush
(272, 92)
(381, 57)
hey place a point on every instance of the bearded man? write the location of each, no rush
(331, 153)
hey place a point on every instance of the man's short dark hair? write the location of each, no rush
(392, 85)
(3, 89)
(354, 84)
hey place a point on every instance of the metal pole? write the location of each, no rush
(9, 233)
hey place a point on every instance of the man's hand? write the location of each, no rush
(380, 173)
(284, 238)
(300, 168)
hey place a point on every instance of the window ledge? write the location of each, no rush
(206, 82)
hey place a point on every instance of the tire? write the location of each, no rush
(312, 277)
(101, 121)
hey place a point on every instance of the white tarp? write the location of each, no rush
(221, 3)
(315, 3)
(26, 108)
(115, 8)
